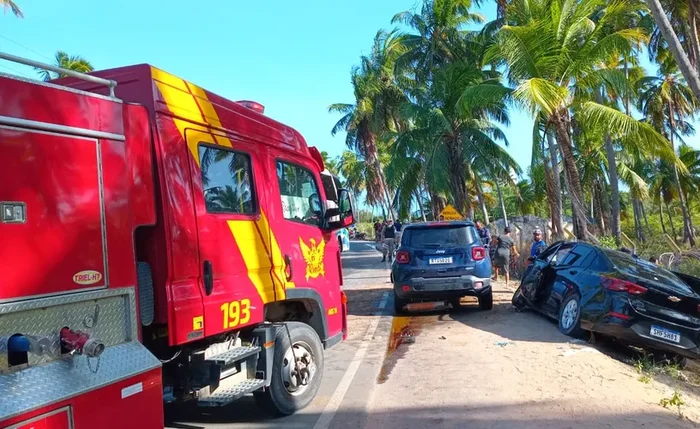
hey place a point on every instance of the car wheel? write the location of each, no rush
(286, 395)
(518, 300)
(399, 304)
(570, 316)
(486, 301)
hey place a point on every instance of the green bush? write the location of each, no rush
(608, 241)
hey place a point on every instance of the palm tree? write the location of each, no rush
(667, 102)
(449, 131)
(439, 37)
(12, 6)
(375, 110)
(65, 61)
(674, 45)
(553, 46)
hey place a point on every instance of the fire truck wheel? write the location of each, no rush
(293, 387)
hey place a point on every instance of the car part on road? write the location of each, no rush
(290, 389)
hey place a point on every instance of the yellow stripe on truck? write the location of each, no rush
(261, 252)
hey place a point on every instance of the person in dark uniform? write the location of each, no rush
(389, 239)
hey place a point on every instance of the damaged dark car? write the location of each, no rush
(589, 288)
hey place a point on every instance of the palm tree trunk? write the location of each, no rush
(602, 210)
(687, 222)
(638, 230)
(670, 222)
(457, 177)
(555, 195)
(661, 215)
(674, 45)
(597, 207)
(644, 216)
(482, 203)
(573, 181)
(613, 178)
(502, 203)
(420, 204)
(693, 36)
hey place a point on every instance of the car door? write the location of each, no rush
(533, 276)
(565, 276)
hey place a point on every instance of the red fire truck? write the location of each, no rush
(158, 242)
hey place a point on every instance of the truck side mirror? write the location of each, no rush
(346, 210)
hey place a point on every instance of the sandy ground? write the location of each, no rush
(503, 369)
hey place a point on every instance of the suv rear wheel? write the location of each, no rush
(486, 301)
(399, 304)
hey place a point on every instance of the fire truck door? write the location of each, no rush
(235, 267)
(310, 255)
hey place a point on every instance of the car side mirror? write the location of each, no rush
(346, 211)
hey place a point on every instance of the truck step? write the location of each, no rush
(233, 355)
(227, 395)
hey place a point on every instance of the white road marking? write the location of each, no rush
(372, 246)
(337, 399)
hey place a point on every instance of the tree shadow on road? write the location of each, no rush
(365, 302)
(521, 415)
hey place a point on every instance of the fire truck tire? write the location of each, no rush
(285, 396)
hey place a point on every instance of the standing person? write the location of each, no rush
(389, 239)
(377, 231)
(484, 233)
(492, 250)
(505, 245)
(538, 243)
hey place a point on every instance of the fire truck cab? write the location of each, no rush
(158, 243)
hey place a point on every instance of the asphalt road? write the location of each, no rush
(352, 367)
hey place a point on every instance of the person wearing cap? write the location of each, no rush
(505, 245)
(538, 243)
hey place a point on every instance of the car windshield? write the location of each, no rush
(442, 236)
(648, 271)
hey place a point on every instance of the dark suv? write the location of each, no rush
(441, 261)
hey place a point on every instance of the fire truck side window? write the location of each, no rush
(299, 193)
(226, 178)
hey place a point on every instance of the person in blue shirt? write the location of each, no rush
(484, 233)
(538, 243)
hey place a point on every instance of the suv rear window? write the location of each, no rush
(442, 236)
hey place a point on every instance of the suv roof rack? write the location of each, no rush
(111, 84)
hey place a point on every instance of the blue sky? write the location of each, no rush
(293, 57)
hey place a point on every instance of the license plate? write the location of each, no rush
(434, 261)
(665, 334)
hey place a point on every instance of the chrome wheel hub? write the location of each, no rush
(298, 368)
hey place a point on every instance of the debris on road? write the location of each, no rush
(503, 343)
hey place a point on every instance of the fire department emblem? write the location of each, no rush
(313, 255)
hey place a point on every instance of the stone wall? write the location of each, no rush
(522, 228)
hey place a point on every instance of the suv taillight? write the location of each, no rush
(618, 285)
(403, 257)
(478, 253)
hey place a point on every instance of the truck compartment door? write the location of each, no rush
(52, 236)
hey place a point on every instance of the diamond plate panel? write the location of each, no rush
(108, 315)
(225, 396)
(39, 386)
